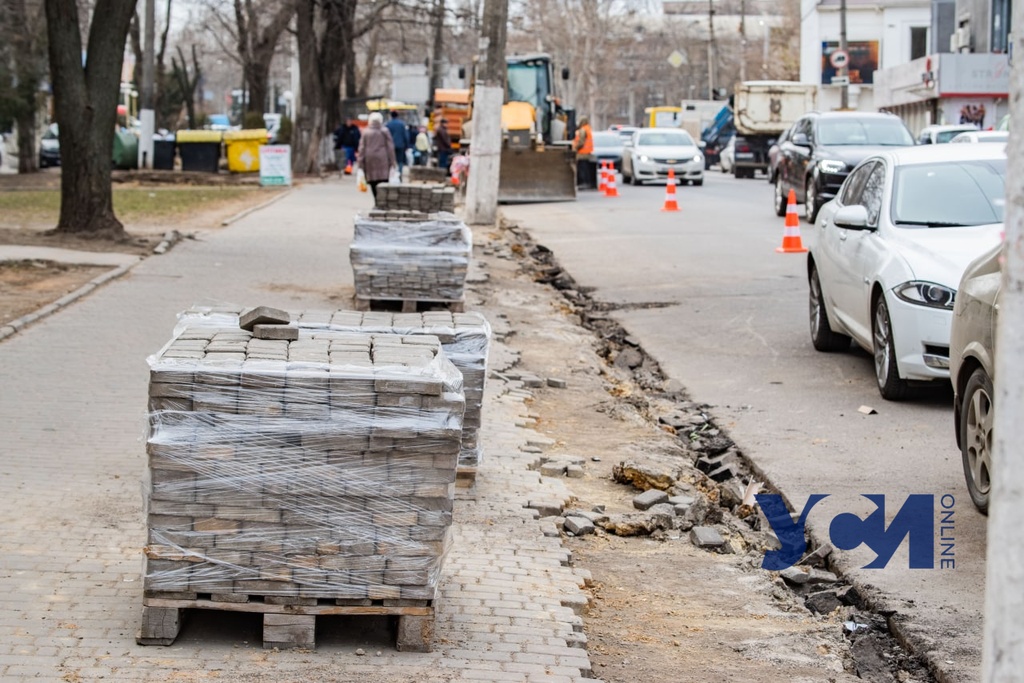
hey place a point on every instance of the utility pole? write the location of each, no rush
(844, 93)
(146, 114)
(488, 96)
(1002, 657)
(436, 58)
(743, 40)
(711, 49)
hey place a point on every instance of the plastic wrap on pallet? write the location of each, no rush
(411, 260)
(465, 338)
(318, 468)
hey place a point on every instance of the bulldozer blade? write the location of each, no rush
(537, 175)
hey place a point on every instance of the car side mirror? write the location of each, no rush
(702, 144)
(801, 140)
(854, 217)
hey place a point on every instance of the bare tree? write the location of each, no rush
(85, 93)
(166, 109)
(186, 83)
(22, 71)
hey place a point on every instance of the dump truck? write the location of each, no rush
(762, 111)
(538, 163)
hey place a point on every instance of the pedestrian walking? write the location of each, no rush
(422, 147)
(442, 144)
(349, 143)
(400, 134)
(586, 166)
(376, 153)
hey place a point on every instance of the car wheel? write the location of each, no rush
(976, 420)
(890, 385)
(780, 200)
(822, 336)
(811, 201)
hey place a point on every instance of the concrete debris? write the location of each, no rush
(642, 477)
(545, 508)
(709, 463)
(823, 602)
(796, 575)
(628, 359)
(724, 473)
(557, 383)
(849, 595)
(649, 498)
(868, 654)
(580, 526)
(867, 410)
(532, 381)
(634, 524)
(574, 472)
(822, 576)
(855, 627)
(555, 468)
(706, 537)
(683, 501)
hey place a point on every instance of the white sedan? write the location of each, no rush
(651, 152)
(888, 253)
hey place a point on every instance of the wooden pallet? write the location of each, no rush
(288, 622)
(465, 477)
(407, 305)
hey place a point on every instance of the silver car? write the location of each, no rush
(972, 355)
(651, 152)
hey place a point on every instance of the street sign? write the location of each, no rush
(840, 80)
(677, 58)
(839, 58)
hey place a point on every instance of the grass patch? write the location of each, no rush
(25, 208)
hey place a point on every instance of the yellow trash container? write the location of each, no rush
(243, 149)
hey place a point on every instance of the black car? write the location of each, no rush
(822, 149)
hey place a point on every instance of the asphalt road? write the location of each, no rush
(736, 334)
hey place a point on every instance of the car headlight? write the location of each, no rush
(831, 166)
(926, 294)
(644, 158)
(698, 158)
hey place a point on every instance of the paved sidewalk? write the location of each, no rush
(73, 390)
(12, 252)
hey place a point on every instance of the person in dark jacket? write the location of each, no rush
(376, 153)
(442, 144)
(400, 134)
(347, 139)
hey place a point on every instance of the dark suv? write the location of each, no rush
(822, 149)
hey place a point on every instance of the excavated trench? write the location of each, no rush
(875, 647)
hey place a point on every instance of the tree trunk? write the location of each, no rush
(85, 101)
(307, 134)
(26, 122)
(30, 65)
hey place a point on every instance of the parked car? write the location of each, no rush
(651, 152)
(941, 134)
(976, 136)
(773, 155)
(49, 147)
(823, 148)
(218, 122)
(608, 146)
(888, 254)
(972, 357)
(727, 157)
(624, 131)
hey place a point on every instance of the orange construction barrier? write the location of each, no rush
(610, 190)
(670, 193)
(602, 185)
(791, 243)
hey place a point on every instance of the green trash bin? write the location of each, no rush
(126, 150)
(199, 150)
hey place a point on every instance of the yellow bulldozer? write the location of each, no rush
(538, 163)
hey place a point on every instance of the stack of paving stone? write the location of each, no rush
(465, 339)
(427, 174)
(319, 468)
(426, 197)
(411, 260)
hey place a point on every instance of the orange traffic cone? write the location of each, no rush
(602, 185)
(791, 243)
(670, 193)
(610, 190)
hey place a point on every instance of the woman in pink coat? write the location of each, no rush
(376, 153)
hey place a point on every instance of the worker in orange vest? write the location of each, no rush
(586, 165)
